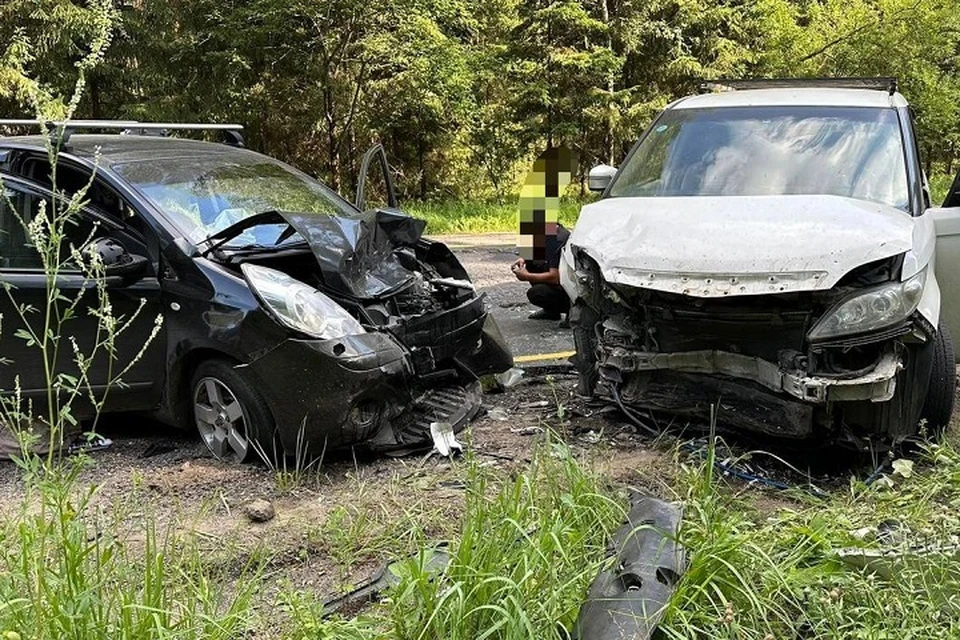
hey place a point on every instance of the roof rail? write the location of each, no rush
(875, 84)
(61, 130)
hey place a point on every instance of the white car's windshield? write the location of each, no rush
(748, 151)
(205, 193)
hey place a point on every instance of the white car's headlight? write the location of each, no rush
(871, 310)
(300, 306)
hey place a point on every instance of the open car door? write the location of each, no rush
(947, 221)
(375, 189)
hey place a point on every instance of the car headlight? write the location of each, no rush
(871, 310)
(300, 306)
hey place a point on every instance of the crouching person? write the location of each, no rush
(544, 276)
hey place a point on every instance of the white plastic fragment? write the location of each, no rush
(510, 377)
(903, 468)
(527, 431)
(443, 439)
(499, 414)
(453, 283)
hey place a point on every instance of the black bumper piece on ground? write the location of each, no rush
(627, 600)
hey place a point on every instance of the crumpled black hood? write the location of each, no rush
(356, 254)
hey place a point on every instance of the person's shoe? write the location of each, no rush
(543, 314)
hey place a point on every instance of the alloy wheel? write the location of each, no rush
(221, 420)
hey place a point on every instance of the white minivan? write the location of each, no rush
(770, 248)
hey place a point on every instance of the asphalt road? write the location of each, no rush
(534, 342)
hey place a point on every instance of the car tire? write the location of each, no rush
(232, 417)
(941, 392)
(584, 319)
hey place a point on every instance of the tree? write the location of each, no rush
(464, 94)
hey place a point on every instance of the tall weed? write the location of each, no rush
(528, 549)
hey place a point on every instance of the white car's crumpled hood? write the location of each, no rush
(736, 245)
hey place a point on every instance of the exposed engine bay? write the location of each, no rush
(752, 357)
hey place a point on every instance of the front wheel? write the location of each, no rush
(941, 392)
(232, 417)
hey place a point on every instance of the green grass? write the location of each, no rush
(520, 566)
(939, 185)
(527, 551)
(71, 570)
(479, 216)
(525, 544)
(776, 575)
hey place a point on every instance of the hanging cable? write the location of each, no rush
(633, 417)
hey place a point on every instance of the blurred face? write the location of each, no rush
(540, 200)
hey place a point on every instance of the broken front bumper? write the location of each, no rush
(376, 390)
(878, 385)
(326, 394)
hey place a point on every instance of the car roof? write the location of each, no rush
(793, 97)
(118, 149)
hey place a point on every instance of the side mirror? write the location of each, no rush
(600, 176)
(117, 262)
(132, 269)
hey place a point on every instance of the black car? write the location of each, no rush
(292, 318)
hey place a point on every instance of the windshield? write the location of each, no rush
(205, 193)
(752, 151)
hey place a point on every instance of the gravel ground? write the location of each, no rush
(490, 269)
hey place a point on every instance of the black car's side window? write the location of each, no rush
(18, 207)
(100, 197)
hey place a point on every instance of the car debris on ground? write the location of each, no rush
(432, 561)
(627, 600)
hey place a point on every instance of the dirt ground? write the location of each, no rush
(170, 475)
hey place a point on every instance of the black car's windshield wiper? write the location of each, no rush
(222, 237)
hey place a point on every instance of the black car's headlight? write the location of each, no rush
(298, 305)
(877, 308)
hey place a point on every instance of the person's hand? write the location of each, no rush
(519, 269)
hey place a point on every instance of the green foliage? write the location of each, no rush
(465, 94)
(519, 568)
(71, 570)
(480, 216)
(777, 573)
(59, 38)
(939, 186)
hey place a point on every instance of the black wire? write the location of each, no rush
(876, 474)
(633, 418)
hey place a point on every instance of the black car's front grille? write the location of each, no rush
(445, 334)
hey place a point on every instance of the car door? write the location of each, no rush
(134, 299)
(375, 185)
(947, 222)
